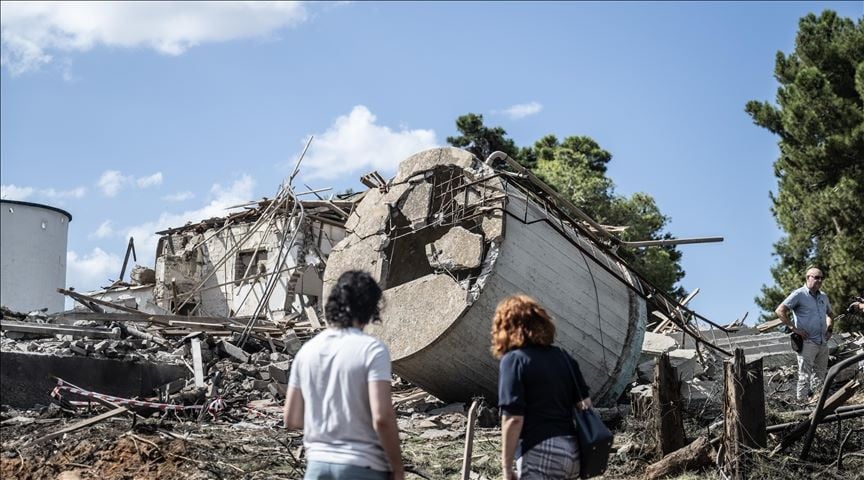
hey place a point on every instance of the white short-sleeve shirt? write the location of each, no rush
(333, 371)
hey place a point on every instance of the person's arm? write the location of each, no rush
(783, 314)
(292, 414)
(384, 423)
(511, 427)
(829, 327)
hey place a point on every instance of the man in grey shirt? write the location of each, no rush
(812, 321)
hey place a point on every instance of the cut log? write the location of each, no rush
(696, 455)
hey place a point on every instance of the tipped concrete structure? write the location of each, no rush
(448, 238)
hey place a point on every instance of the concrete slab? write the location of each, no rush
(656, 343)
(415, 204)
(26, 379)
(429, 159)
(459, 249)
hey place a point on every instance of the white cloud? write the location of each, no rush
(33, 32)
(239, 192)
(152, 180)
(14, 192)
(522, 110)
(105, 230)
(355, 142)
(93, 270)
(112, 181)
(179, 196)
(78, 192)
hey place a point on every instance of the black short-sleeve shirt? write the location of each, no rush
(535, 381)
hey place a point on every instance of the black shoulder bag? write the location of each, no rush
(595, 439)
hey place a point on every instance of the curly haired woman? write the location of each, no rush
(536, 393)
(339, 391)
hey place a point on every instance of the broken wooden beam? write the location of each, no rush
(51, 329)
(839, 398)
(668, 422)
(79, 425)
(696, 455)
(469, 440)
(86, 300)
(743, 411)
(769, 325)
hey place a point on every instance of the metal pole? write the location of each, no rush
(829, 380)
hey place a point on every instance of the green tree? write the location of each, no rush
(576, 168)
(819, 118)
(481, 140)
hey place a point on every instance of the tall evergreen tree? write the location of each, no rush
(576, 168)
(819, 117)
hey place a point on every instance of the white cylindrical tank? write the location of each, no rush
(32, 255)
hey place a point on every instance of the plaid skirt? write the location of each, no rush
(553, 458)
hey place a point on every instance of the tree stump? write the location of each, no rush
(669, 426)
(743, 412)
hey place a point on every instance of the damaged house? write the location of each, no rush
(264, 262)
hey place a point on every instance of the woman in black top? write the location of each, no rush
(536, 393)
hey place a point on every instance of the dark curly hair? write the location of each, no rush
(355, 297)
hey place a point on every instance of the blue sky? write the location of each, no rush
(137, 117)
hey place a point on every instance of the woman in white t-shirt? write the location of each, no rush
(339, 391)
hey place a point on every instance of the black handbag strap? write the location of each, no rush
(572, 373)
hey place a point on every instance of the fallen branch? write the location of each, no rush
(696, 455)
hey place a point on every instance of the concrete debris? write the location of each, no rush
(458, 249)
(141, 275)
(655, 344)
(684, 360)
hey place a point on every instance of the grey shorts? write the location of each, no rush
(553, 458)
(338, 471)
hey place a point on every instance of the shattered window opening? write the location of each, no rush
(242, 270)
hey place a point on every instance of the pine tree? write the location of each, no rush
(819, 117)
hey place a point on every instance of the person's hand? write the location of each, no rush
(584, 404)
(510, 474)
(801, 332)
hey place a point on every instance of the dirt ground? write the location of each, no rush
(432, 434)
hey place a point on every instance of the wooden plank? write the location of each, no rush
(49, 329)
(72, 316)
(769, 325)
(79, 425)
(469, 440)
(80, 297)
(197, 364)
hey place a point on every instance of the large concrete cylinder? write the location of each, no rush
(33, 241)
(448, 239)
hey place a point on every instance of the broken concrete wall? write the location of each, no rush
(28, 378)
(447, 240)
